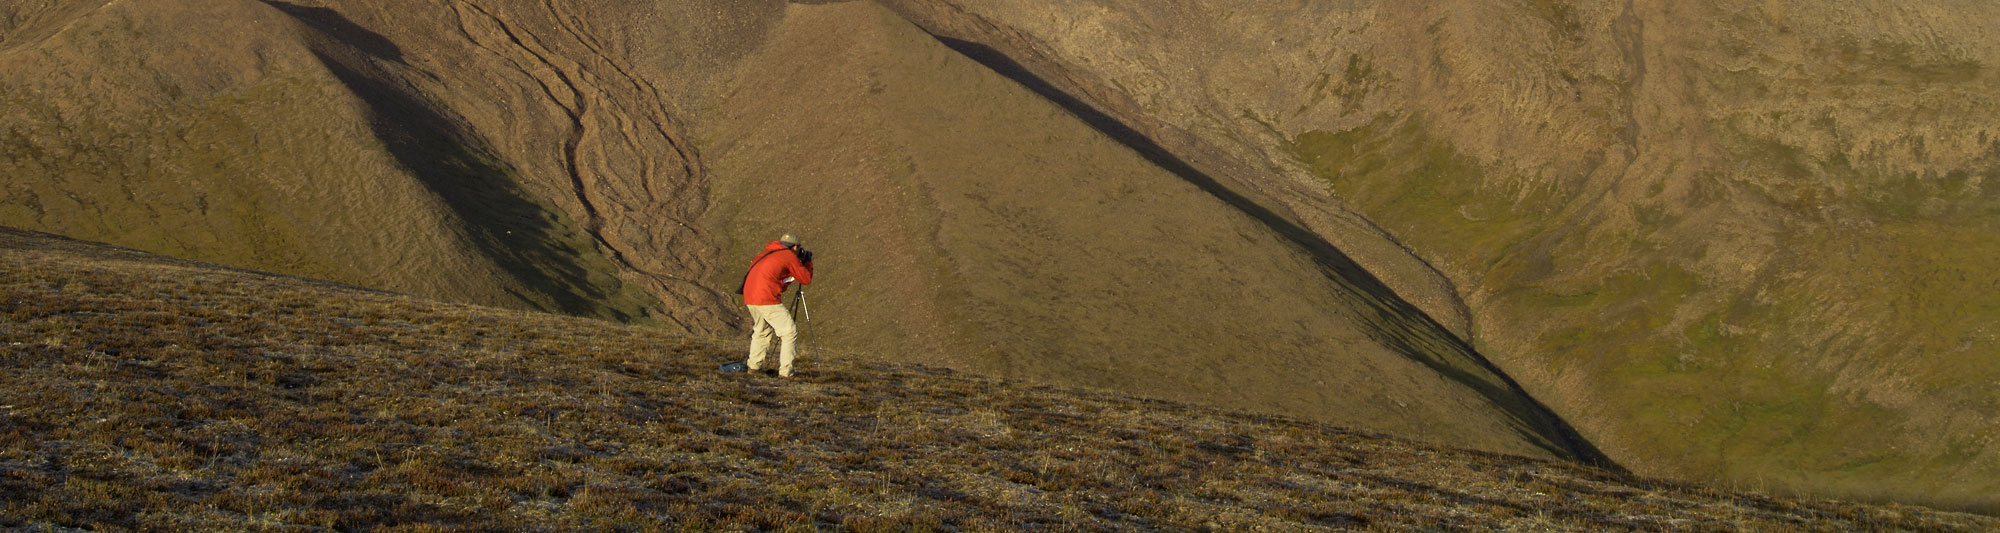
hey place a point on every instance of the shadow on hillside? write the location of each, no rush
(459, 166)
(329, 22)
(1394, 321)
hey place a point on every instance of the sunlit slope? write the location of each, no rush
(1743, 241)
(622, 161)
(961, 219)
(143, 392)
(295, 138)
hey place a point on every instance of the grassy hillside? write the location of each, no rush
(292, 146)
(146, 392)
(964, 220)
(1746, 241)
(616, 162)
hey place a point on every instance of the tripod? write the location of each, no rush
(800, 309)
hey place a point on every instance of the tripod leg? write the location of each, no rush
(807, 311)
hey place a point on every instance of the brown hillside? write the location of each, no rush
(291, 138)
(1749, 241)
(148, 393)
(1746, 242)
(966, 221)
(623, 160)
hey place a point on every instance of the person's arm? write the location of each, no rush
(802, 270)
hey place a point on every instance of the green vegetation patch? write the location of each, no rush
(1426, 192)
(1784, 384)
(1777, 378)
(1857, 188)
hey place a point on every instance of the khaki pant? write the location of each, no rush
(766, 320)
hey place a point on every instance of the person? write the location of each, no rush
(782, 263)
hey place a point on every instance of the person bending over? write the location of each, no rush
(782, 263)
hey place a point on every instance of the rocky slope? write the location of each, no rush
(1737, 241)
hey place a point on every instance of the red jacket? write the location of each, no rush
(768, 272)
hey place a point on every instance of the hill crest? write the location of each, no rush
(147, 392)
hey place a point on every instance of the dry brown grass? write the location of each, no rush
(146, 393)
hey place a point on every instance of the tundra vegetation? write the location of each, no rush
(142, 392)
